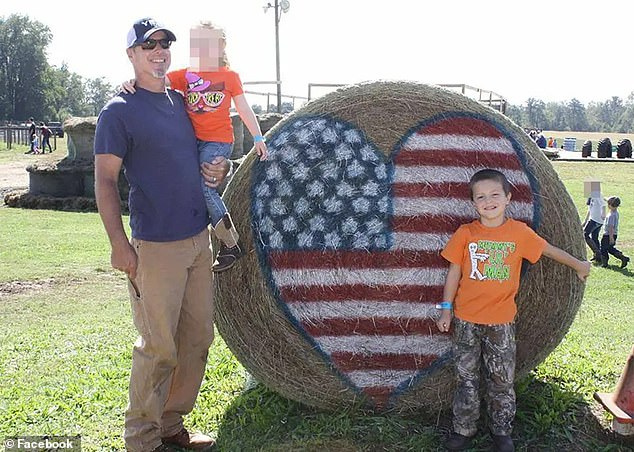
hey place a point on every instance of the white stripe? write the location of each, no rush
(369, 277)
(390, 378)
(431, 345)
(462, 208)
(438, 174)
(458, 142)
(320, 310)
(419, 242)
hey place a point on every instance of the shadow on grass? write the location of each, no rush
(548, 419)
(262, 420)
(551, 418)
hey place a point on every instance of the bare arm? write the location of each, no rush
(249, 119)
(122, 256)
(581, 267)
(449, 294)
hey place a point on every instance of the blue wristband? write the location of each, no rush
(258, 138)
(444, 305)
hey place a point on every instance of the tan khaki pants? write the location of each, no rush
(173, 312)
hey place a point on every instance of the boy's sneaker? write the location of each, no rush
(456, 441)
(503, 443)
(624, 261)
(226, 258)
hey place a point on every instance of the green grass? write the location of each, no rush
(66, 349)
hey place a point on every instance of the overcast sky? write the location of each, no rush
(551, 50)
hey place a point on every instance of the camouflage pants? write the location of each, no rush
(493, 346)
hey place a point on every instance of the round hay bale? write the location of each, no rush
(334, 304)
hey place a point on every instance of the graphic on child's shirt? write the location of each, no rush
(492, 255)
(475, 257)
(202, 96)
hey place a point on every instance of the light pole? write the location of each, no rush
(280, 6)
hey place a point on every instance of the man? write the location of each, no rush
(168, 259)
(32, 136)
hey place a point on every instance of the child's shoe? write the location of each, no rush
(624, 261)
(456, 441)
(226, 258)
(503, 443)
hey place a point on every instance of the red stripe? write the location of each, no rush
(457, 157)
(410, 293)
(380, 395)
(462, 126)
(379, 326)
(458, 190)
(351, 361)
(355, 259)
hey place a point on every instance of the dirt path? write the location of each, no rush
(13, 176)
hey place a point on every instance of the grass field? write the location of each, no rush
(66, 349)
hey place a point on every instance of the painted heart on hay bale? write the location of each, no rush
(346, 220)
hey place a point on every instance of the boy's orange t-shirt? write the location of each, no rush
(208, 100)
(491, 262)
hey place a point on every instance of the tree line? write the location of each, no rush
(29, 86)
(612, 115)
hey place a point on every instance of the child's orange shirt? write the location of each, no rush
(491, 262)
(208, 100)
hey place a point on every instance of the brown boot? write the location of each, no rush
(230, 251)
(190, 441)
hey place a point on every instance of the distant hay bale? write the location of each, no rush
(333, 306)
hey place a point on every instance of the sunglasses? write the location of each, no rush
(150, 44)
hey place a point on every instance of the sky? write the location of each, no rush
(552, 50)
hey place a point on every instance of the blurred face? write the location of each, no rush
(151, 63)
(490, 201)
(206, 48)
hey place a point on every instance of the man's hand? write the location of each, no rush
(124, 258)
(215, 172)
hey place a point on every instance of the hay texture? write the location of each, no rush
(334, 305)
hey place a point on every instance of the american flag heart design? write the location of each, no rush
(350, 240)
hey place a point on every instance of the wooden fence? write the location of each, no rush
(11, 135)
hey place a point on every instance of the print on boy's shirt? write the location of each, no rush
(203, 96)
(492, 254)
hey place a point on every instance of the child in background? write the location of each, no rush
(35, 144)
(485, 260)
(610, 232)
(593, 222)
(209, 86)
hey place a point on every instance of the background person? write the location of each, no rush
(610, 232)
(595, 216)
(46, 136)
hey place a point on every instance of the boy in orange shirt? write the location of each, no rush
(485, 259)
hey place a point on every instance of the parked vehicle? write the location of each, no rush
(56, 128)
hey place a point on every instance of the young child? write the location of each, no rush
(209, 86)
(610, 231)
(35, 144)
(593, 222)
(485, 258)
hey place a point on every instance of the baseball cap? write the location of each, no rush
(142, 29)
